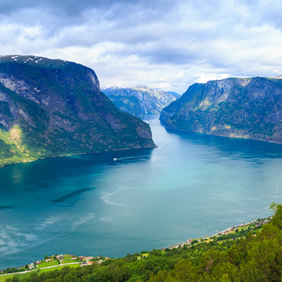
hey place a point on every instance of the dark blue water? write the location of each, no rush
(192, 185)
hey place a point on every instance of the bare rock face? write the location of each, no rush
(234, 107)
(140, 100)
(54, 108)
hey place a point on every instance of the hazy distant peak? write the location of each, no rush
(140, 100)
(140, 86)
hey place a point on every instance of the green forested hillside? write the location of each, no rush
(233, 107)
(51, 108)
(255, 257)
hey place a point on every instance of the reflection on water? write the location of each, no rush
(123, 202)
(247, 149)
(71, 195)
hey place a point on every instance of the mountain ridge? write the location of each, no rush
(52, 108)
(232, 107)
(139, 100)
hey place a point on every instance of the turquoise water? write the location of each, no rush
(192, 185)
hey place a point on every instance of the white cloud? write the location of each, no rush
(164, 44)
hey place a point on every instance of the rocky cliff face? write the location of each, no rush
(234, 107)
(53, 108)
(140, 100)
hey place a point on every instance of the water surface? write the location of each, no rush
(192, 185)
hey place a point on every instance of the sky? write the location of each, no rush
(166, 44)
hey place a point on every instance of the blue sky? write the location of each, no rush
(167, 44)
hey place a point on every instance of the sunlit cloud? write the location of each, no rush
(162, 44)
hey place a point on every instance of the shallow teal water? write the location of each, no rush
(192, 185)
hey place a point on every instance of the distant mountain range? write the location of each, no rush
(53, 108)
(233, 107)
(140, 100)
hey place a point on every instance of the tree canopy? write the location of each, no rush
(254, 257)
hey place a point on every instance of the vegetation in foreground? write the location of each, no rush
(255, 257)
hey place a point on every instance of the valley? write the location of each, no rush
(91, 205)
(140, 100)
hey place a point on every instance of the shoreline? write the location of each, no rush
(188, 243)
(78, 154)
(237, 137)
(226, 231)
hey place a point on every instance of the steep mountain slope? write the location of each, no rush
(140, 100)
(53, 108)
(234, 107)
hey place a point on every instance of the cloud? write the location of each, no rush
(167, 44)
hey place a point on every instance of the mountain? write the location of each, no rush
(53, 108)
(140, 100)
(175, 94)
(233, 107)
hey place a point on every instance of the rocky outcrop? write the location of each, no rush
(53, 108)
(140, 100)
(234, 107)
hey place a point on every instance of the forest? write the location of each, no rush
(253, 257)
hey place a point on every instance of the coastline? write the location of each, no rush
(83, 260)
(230, 230)
(242, 137)
(78, 154)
